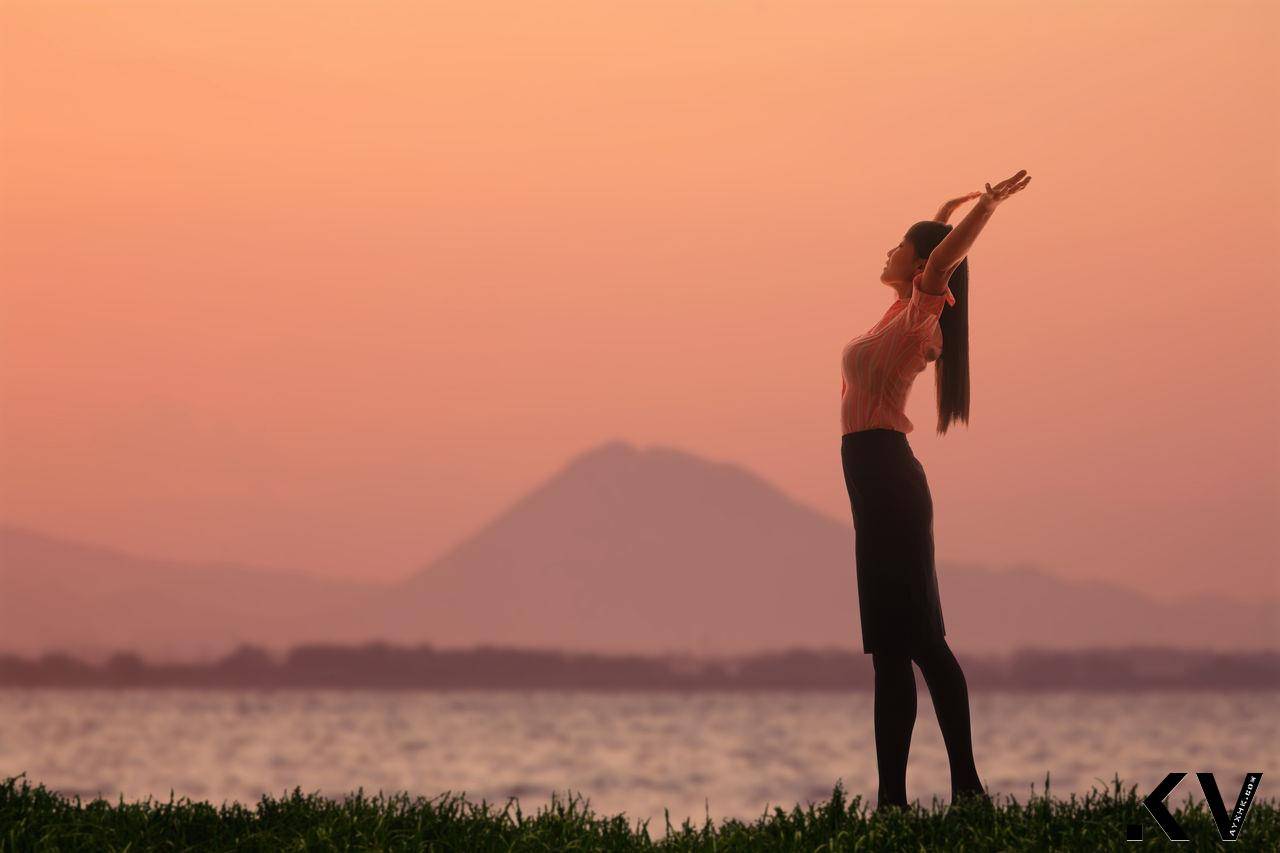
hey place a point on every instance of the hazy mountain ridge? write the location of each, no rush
(621, 550)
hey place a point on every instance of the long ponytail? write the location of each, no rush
(951, 370)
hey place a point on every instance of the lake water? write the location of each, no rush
(734, 754)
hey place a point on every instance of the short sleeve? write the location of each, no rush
(925, 308)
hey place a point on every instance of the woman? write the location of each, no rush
(892, 509)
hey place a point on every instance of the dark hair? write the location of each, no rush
(951, 370)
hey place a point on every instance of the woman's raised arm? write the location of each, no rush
(949, 207)
(953, 248)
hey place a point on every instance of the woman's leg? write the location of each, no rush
(895, 717)
(950, 692)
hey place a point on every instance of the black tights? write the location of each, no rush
(895, 717)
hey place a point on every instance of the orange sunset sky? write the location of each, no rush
(325, 286)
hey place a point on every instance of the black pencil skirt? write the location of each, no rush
(898, 597)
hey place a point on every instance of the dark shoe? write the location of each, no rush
(891, 806)
(970, 796)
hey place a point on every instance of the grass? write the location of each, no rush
(34, 818)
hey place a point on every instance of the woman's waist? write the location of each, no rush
(875, 443)
(877, 434)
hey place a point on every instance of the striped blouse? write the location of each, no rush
(878, 367)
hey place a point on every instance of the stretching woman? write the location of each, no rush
(892, 508)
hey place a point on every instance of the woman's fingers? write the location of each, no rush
(1008, 186)
(1008, 182)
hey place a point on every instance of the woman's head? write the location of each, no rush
(907, 258)
(951, 370)
(901, 265)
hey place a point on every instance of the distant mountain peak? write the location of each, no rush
(619, 456)
(621, 461)
(606, 453)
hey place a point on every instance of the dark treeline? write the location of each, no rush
(379, 665)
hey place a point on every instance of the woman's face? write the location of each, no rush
(901, 263)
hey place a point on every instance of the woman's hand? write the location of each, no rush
(954, 247)
(949, 207)
(1004, 189)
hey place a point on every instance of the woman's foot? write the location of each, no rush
(891, 803)
(971, 795)
(890, 808)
